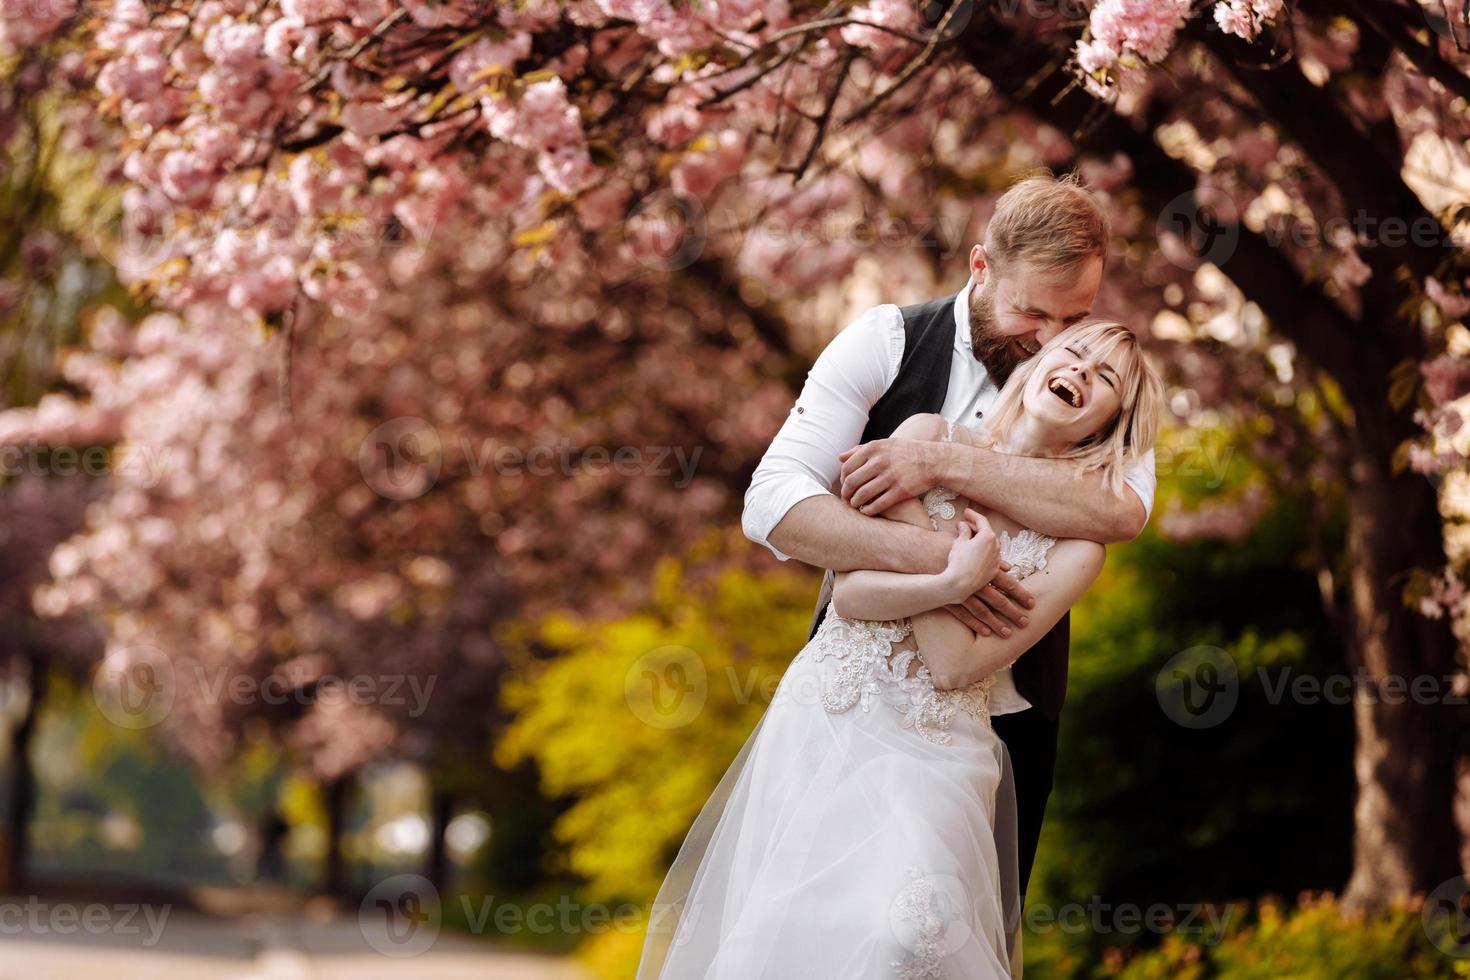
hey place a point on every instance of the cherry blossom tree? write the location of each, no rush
(628, 218)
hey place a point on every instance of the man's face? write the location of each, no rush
(1017, 308)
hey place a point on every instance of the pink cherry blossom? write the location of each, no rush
(1244, 18)
(896, 15)
(1452, 305)
(703, 170)
(1119, 29)
(471, 67)
(675, 124)
(1446, 378)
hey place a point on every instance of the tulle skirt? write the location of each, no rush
(843, 845)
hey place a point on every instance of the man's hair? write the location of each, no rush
(1054, 223)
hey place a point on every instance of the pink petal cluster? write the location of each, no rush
(896, 15)
(1142, 29)
(700, 172)
(1446, 595)
(37, 514)
(1446, 378)
(1244, 18)
(27, 23)
(471, 68)
(1452, 305)
(543, 120)
(1224, 518)
(675, 124)
(675, 28)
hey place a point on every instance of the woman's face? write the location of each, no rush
(1074, 393)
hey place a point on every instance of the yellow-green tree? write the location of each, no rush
(635, 719)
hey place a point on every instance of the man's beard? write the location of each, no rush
(993, 349)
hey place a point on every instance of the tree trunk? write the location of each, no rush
(1404, 839)
(333, 866)
(441, 811)
(15, 858)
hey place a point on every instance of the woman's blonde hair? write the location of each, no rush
(1130, 434)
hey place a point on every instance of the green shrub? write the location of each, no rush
(1318, 940)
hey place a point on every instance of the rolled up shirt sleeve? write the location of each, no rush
(1141, 477)
(827, 420)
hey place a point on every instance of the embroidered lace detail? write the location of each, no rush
(864, 649)
(1026, 552)
(917, 904)
(870, 668)
(938, 502)
(931, 713)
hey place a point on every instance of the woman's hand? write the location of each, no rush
(974, 558)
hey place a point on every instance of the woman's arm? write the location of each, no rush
(879, 595)
(956, 657)
(974, 557)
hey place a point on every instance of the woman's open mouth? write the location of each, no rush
(1066, 391)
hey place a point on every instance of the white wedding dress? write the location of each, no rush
(865, 831)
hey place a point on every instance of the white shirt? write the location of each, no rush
(828, 419)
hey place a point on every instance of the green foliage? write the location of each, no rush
(112, 801)
(1316, 941)
(637, 718)
(1148, 812)
(50, 192)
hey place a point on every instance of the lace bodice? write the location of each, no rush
(870, 668)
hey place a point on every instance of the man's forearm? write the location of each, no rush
(1048, 495)
(825, 532)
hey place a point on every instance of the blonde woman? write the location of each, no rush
(866, 830)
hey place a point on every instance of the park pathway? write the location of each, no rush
(194, 946)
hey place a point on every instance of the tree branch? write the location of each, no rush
(1016, 65)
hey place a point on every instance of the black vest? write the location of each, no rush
(920, 387)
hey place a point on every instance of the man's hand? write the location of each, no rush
(878, 474)
(999, 607)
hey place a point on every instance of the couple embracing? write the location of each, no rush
(959, 466)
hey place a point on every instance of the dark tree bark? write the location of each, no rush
(334, 869)
(21, 804)
(441, 811)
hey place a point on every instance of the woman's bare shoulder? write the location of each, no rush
(926, 426)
